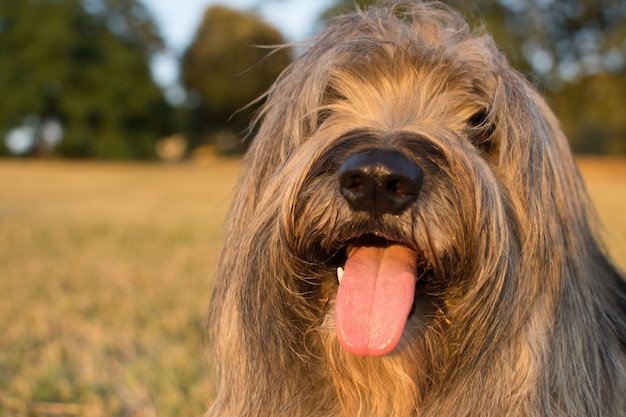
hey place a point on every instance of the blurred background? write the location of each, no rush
(143, 79)
(121, 126)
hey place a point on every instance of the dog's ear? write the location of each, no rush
(284, 121)
(526, 130)
(538, 172)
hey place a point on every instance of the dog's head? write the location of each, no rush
(401, 152)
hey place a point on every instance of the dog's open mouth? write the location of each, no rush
(375, 295)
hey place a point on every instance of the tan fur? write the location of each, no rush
(521, 313)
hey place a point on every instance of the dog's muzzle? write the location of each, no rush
(377, 283)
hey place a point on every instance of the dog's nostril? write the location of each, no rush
(399, 188)
(379, 181)
(356, 183)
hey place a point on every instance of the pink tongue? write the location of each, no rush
(374, 298)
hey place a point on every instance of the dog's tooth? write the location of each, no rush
(339, 274)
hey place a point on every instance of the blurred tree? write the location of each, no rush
(575, 51)
(592, 113)
(225, 68)
(83, 64)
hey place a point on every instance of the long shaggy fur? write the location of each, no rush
(518, 312)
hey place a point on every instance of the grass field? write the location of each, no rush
(105, 273)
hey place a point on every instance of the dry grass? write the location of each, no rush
(606, 183)
(105, 278)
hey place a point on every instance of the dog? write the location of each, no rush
(410, 236)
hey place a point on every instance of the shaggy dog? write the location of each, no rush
(410, 237)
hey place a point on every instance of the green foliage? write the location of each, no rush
(592, 113)
(226, 67)
(86, 64)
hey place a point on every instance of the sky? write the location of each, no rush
(179, 19)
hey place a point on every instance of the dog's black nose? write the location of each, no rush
(379, 181)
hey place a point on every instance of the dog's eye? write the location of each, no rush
(330, 96)
(322, 115)
(481, 130)
(478, 119)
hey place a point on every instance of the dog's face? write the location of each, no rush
(395, 170)
(392, 202)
